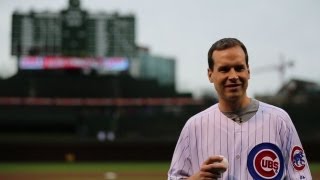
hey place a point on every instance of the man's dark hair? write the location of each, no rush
(223, 44)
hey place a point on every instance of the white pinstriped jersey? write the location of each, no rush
(265, 147)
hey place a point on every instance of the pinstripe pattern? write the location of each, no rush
(210, 132)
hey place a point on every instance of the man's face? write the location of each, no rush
(230, 74)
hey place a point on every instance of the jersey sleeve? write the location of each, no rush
(296, 163)
(181, 164)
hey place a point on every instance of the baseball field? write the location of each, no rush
(94, 171)
(84, 171)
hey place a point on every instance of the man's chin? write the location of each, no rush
(233, 97)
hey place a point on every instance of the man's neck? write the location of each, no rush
(234, 106)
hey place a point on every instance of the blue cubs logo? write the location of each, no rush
(265, 161)
(298, 158)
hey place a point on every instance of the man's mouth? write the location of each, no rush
(232, 85)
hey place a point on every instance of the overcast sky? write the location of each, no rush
(185, 29)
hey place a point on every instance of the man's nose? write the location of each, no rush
(233, 75)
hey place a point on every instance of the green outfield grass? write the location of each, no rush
(84, 171)
(88, 167)
(315, 167)
(77, 170)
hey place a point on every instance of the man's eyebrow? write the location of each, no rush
(223, 67)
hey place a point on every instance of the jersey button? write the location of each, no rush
(238, 156)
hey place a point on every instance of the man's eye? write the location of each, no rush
(240, 68)
(223, 69)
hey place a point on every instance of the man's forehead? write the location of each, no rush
(230, 64)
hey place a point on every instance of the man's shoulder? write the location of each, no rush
(205, 112)
(272, 109)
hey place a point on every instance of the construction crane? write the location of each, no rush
(281, 67)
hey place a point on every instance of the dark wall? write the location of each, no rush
(128, 123)
(87, 152)
(305, 119)
(136, 151)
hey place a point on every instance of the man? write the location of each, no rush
(259, 140)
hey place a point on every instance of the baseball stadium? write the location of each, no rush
(88, 102)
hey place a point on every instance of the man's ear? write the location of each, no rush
(210, 75)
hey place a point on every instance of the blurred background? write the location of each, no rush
(115, 81)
